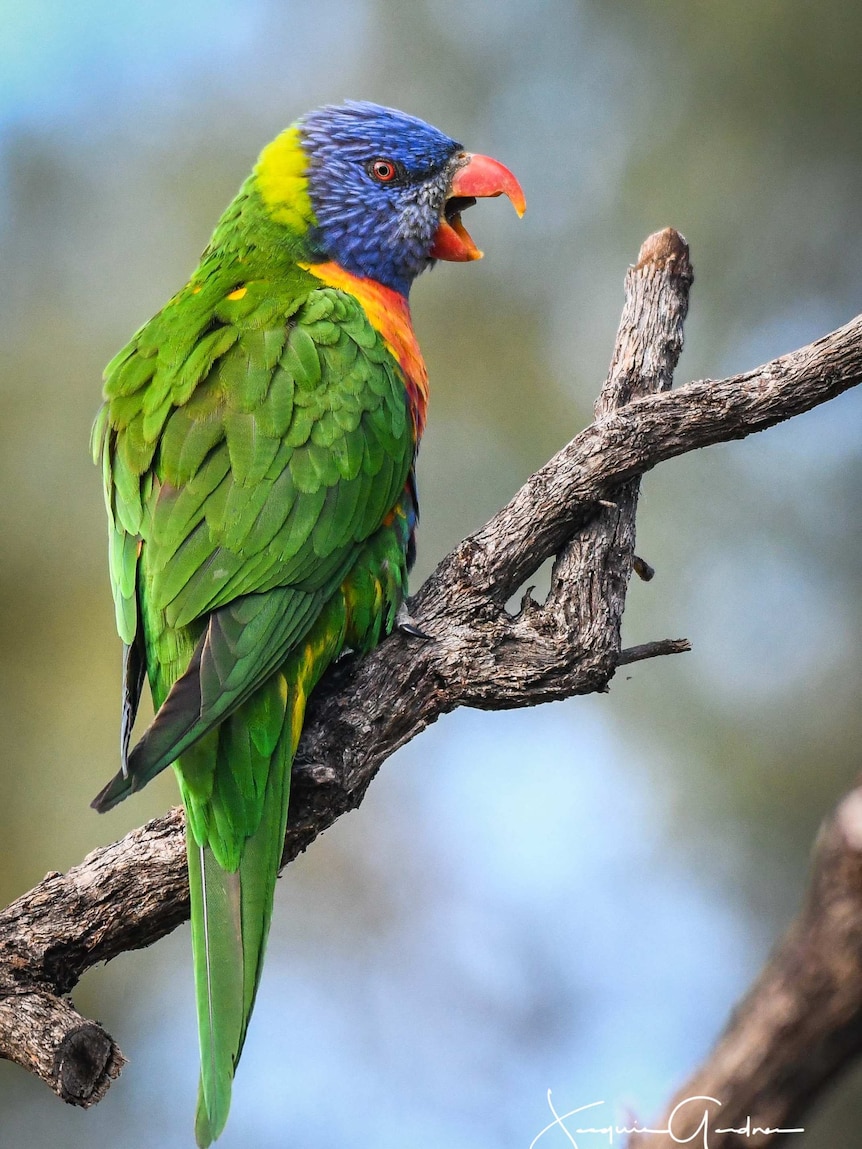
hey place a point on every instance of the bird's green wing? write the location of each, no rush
(239, 494)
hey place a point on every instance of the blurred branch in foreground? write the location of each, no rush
(800, 1023)
(469, 651)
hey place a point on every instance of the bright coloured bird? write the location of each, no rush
(258, 440)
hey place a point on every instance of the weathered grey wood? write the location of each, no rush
(579, 507)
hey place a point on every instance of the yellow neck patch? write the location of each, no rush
(282, 182)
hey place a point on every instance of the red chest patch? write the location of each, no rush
(389, 314)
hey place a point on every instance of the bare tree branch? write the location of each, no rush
(579, 507)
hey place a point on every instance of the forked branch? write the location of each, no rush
(579, 508)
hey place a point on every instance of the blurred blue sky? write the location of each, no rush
(570, 897)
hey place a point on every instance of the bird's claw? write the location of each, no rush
(406, 625)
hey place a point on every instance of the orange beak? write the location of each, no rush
(479, 178)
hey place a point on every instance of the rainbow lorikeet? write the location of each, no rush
(258, 440)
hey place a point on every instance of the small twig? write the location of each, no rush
(642, 569)
(653, 650)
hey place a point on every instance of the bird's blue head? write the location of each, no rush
(384, 190)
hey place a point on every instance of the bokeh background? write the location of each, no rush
(567, 898)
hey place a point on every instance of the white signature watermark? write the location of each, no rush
(702, 1110)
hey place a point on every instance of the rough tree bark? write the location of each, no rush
(580, 507)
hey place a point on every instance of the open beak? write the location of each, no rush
(478, 178)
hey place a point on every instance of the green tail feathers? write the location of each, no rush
(219, 954)
(230, 914)
(235, 784)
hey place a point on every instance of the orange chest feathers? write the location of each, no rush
(389, 314)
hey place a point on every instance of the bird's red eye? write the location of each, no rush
(383, 170)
